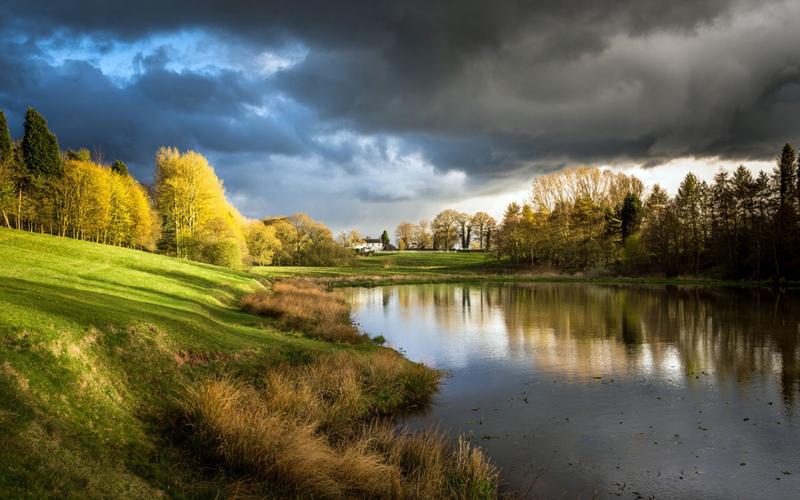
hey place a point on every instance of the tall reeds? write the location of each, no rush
(303, 306)
(318, 430)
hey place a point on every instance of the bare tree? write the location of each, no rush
(482, 225)
(404, 235)
(445, 229)
(422, 238)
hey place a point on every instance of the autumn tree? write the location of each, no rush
(286, 234)
(464, 230)
(198, 221)
(307, 242)
(445, 229)
(483, 224)
(404, 235)
(262, 243)
(423, 239)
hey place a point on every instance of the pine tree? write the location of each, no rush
(784, 223)
(689, 202)
(40, 147)
(786, 178)
(630, 216)
(5, 140)
(385, 240)
(743, 215)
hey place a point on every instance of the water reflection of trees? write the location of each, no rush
(730, 333)
(591, 330)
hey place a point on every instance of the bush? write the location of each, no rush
(225, 252)
(329, 253)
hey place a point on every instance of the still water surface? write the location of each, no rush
(611, 391)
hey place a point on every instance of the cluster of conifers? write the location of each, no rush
(739, 226)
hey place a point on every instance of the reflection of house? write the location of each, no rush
(368, 245)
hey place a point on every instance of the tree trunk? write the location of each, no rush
(19, 210)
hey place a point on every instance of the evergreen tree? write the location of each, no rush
(660, 232)
(761, 223)
(5, 140)
(385, 239)
(630, 216)
(785, 216)
(744, 218)
(786, 176)
(118, 167)
(40, 147)
(722, 219)
(689, 203)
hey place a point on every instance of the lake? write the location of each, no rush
(578, 390)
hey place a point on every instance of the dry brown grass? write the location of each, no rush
(306, 431)
(306, 307)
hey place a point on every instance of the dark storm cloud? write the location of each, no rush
(157, 107)
(496, 90)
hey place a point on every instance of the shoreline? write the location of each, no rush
(369, 281)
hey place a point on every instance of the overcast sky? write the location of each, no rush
(366, 113)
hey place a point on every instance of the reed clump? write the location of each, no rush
(320, 430)
(304, 306)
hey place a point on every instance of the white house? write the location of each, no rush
(369, 245)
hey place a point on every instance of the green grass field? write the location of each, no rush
(462, 267)
(395, 264)
(96, 342)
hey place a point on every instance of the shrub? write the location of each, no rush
(329, 253)
(226, 252)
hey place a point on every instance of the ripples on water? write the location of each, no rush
(581, 390)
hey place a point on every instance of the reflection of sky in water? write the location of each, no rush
(666, 390)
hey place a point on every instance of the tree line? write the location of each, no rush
(45, 190)
(450, 229)
(184, 213)
(741, 225)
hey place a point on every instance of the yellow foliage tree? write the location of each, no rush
(91, 202)
(198, 221)
(262, 243)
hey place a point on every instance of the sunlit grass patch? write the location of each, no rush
(304, 306)
(317, 430)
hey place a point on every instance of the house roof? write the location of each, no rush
(372, 240)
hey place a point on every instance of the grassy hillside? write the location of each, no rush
(96, 342)
(126, 374)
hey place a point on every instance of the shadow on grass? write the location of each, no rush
(209, 327)
(206, 285)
